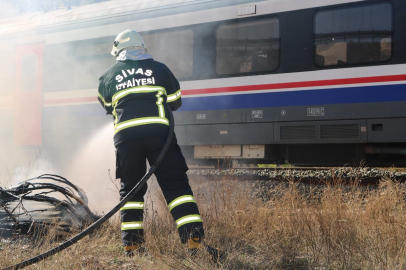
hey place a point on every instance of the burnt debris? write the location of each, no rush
(39, 203)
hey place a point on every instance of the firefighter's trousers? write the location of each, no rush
(171, 176)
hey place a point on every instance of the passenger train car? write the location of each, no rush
(319, 82)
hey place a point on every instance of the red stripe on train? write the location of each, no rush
(379, 79)
(392, 78)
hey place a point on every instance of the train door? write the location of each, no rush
(28, 95)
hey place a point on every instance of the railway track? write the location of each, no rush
(314, 175)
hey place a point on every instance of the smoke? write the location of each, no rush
(93, 169)
(76, 141)
(90, 165)
(38, 167)
(17, 165)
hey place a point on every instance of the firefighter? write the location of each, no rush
(135, 90)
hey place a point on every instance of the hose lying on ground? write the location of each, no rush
(104, 218)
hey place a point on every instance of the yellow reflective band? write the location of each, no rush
(115, 115)
(140, 121)
(174, 96)
(137, 225)
(133, 205)
(104, 102)
(139, 89)
(181, 200)
(188, 219)
(161, 111)
(159, 102)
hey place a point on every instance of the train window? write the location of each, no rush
(353, 35)
(29, 73)
(174, 49)
(248, 47)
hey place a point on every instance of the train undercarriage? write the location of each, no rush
(374, 155)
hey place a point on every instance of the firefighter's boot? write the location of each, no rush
(196, 245)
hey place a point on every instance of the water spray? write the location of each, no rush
(104, 218)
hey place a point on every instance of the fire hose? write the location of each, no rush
(104, 218)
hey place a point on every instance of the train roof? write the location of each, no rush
(119, 10)
(96, 11)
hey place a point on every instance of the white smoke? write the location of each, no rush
(38, 167)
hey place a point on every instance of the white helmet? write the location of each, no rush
(126, 39)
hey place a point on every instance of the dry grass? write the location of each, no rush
(323, 228)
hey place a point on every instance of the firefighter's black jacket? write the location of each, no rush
(135, 93)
